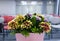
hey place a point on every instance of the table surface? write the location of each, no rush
(56, 26)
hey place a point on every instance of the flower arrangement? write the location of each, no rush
(30, 23)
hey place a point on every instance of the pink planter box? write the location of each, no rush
(31, 37)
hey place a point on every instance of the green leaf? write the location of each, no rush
(13, 32)
(33, 21)
(40, 30)
(34, 29)
(25, 33)
(42, 19)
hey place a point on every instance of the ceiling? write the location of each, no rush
(37, 0)
(29, 0)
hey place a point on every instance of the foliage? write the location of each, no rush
(30, 23)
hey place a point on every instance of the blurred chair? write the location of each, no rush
(55, 24)
(1, 24)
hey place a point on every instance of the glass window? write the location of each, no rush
(24, 7)
(29, 7)
(50, 7)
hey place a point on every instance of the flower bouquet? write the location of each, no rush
(29, 23)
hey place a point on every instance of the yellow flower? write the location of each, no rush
(46, 26)
(27, 24)
(19, 18)
(13, 24)
(38, 15)
(23, 26)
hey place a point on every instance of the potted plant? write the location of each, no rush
(30, 27)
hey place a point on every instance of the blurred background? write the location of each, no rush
(49, 8)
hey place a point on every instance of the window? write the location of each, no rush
(50, 7)
(24, 7)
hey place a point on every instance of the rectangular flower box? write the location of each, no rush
(31, 37)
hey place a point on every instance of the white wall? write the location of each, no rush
(7, 7)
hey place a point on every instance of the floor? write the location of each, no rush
(54, 36)
(12, 38)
